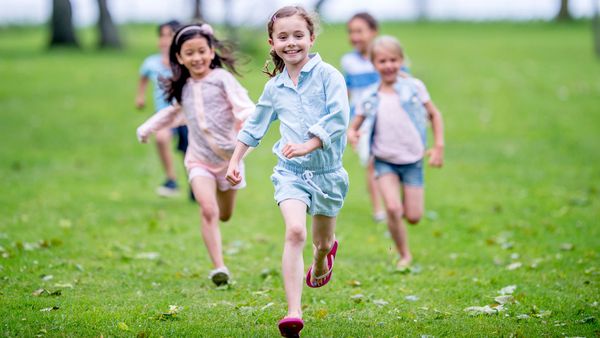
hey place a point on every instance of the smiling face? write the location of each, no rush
(387, 62)
(360, 35)
(291, 40)
(196, 55)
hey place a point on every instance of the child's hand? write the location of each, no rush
(353, 136)
(233, 173)
(143, 138)
(436, 156)
(292, 150)
(140, 102)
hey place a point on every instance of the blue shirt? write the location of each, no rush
(317, 106)
(154, 69)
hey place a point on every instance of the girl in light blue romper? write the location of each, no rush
(309, 98)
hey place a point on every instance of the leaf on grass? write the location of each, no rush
(380, 302)
(269, 272)
(514, 266)
(587, 320)
(354, 283)
(506, 299)
(172, 313)
(46, 278)
(63, 285)
(507, 290)
(48, 309)
(44, 292)
(535, 312)
(523, 316)
(267, 306)
(147, 255)
(122, 326)
(321, 313)
(65, 223)
(484, 310)
(412, 298)
(567, 246)
(357, 298)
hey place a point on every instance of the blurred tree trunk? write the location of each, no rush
(198, 11)
(109, 35)
(596, 27)
(319, 5)
(421, 10)
(228, 20)
(61, 25)
(563, 12)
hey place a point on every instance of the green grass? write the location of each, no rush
(521, 179)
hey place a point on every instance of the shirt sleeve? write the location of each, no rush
(335, 122)
(422, 92)
(238, 97)
(258, 123)
(166, 117)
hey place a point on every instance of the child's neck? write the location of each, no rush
(387, 87)
(294, 70)
(200, 76)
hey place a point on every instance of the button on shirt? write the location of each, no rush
(317, 106)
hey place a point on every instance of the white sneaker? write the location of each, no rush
(168, 189)
(379, 217)
(219, 276)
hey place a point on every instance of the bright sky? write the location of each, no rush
(256, 12)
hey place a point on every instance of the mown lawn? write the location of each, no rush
(517, 202)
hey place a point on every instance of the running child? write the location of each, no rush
(397, 111)
(154, 68)
(308, 97)
(214, 105)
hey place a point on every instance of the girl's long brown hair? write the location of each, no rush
(286, 12)
(224, 58)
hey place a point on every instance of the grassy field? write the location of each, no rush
(517, 202)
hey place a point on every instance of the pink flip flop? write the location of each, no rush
(325, 278)
(290, 327)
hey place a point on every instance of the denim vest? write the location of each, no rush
(410, 102)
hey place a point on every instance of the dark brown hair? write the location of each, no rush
(286, 12)
(368, 18)
(224, 58)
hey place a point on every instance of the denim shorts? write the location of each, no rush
(409, 174)
(323, 191)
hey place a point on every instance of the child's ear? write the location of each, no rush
(270, 42)
(179, 59)
(212, 53)
(312, 39)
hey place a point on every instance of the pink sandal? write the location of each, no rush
(290, 327)
(325, 278)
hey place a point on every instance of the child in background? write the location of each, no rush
(360, 76)
(154, 68)
(214, 105)
(308, 97)
(398, 110)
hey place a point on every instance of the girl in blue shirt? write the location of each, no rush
(308, 97)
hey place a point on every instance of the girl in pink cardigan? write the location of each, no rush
(214, 104)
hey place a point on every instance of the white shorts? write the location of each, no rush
(219, 177)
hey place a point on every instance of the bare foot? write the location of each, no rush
(404, 263)
(319, 268)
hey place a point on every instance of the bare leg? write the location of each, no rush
(205, 192)
(294, 216)
(373, 188)
(413, 203)
(389, 184)
(163, 144)
(226, 202)
(323, 228)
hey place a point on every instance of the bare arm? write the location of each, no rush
(436, 153)
(140, 99)
(233, 170)
(353, 130)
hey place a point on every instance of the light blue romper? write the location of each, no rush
(318, 106)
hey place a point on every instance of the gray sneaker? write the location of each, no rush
(220, 276)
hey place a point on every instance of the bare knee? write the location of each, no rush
(225, 216)
(413, 218)
(163, 137)
(295, 234)
(209, 214)
(394, 211)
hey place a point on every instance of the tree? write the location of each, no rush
(318, 5)
(596, 27)
(198, 10)
(109, 36)
(61, 25)
(563, 12)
